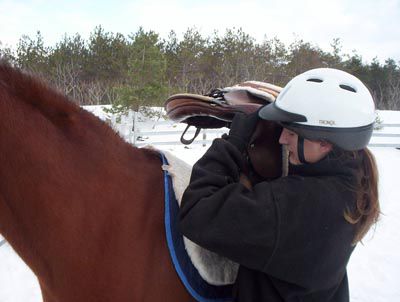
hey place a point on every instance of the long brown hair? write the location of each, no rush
(367, 210)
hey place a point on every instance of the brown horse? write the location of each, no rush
(81, 207)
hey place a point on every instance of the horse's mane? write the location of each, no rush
(30, 89)
(55, 106)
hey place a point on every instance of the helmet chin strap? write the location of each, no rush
(300, 150)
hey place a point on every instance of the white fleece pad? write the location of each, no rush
(214, 269)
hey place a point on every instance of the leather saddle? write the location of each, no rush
(217, 109)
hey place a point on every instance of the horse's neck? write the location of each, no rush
(60, 184)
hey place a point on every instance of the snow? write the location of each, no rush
(373, 266)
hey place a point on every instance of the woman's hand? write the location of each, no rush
(242, 129)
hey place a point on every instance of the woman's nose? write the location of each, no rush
(283, 138)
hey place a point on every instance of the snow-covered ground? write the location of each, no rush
(373, 266)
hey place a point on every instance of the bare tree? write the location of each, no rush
(392, 94)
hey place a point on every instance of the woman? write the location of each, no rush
(293, 236)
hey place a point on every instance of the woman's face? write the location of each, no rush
(313, 150)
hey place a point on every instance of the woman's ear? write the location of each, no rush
(325, 146)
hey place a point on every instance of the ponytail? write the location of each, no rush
(366, 211)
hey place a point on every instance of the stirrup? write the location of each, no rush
(189, 141)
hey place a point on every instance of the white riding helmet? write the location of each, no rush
(325, 104)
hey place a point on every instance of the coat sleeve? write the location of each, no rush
(222, 215)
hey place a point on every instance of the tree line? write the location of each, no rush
(144, 69)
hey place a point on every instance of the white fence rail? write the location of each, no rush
(168, 133)
(380, 138)
(387, 135)
(205, 137)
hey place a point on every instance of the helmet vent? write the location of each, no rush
(347, 87)
(315, 80)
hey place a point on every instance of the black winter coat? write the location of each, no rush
(288, 235)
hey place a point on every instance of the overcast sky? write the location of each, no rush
(371, 27)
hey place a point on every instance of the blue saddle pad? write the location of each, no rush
(196, 286)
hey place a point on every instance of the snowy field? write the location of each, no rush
(373, 266)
